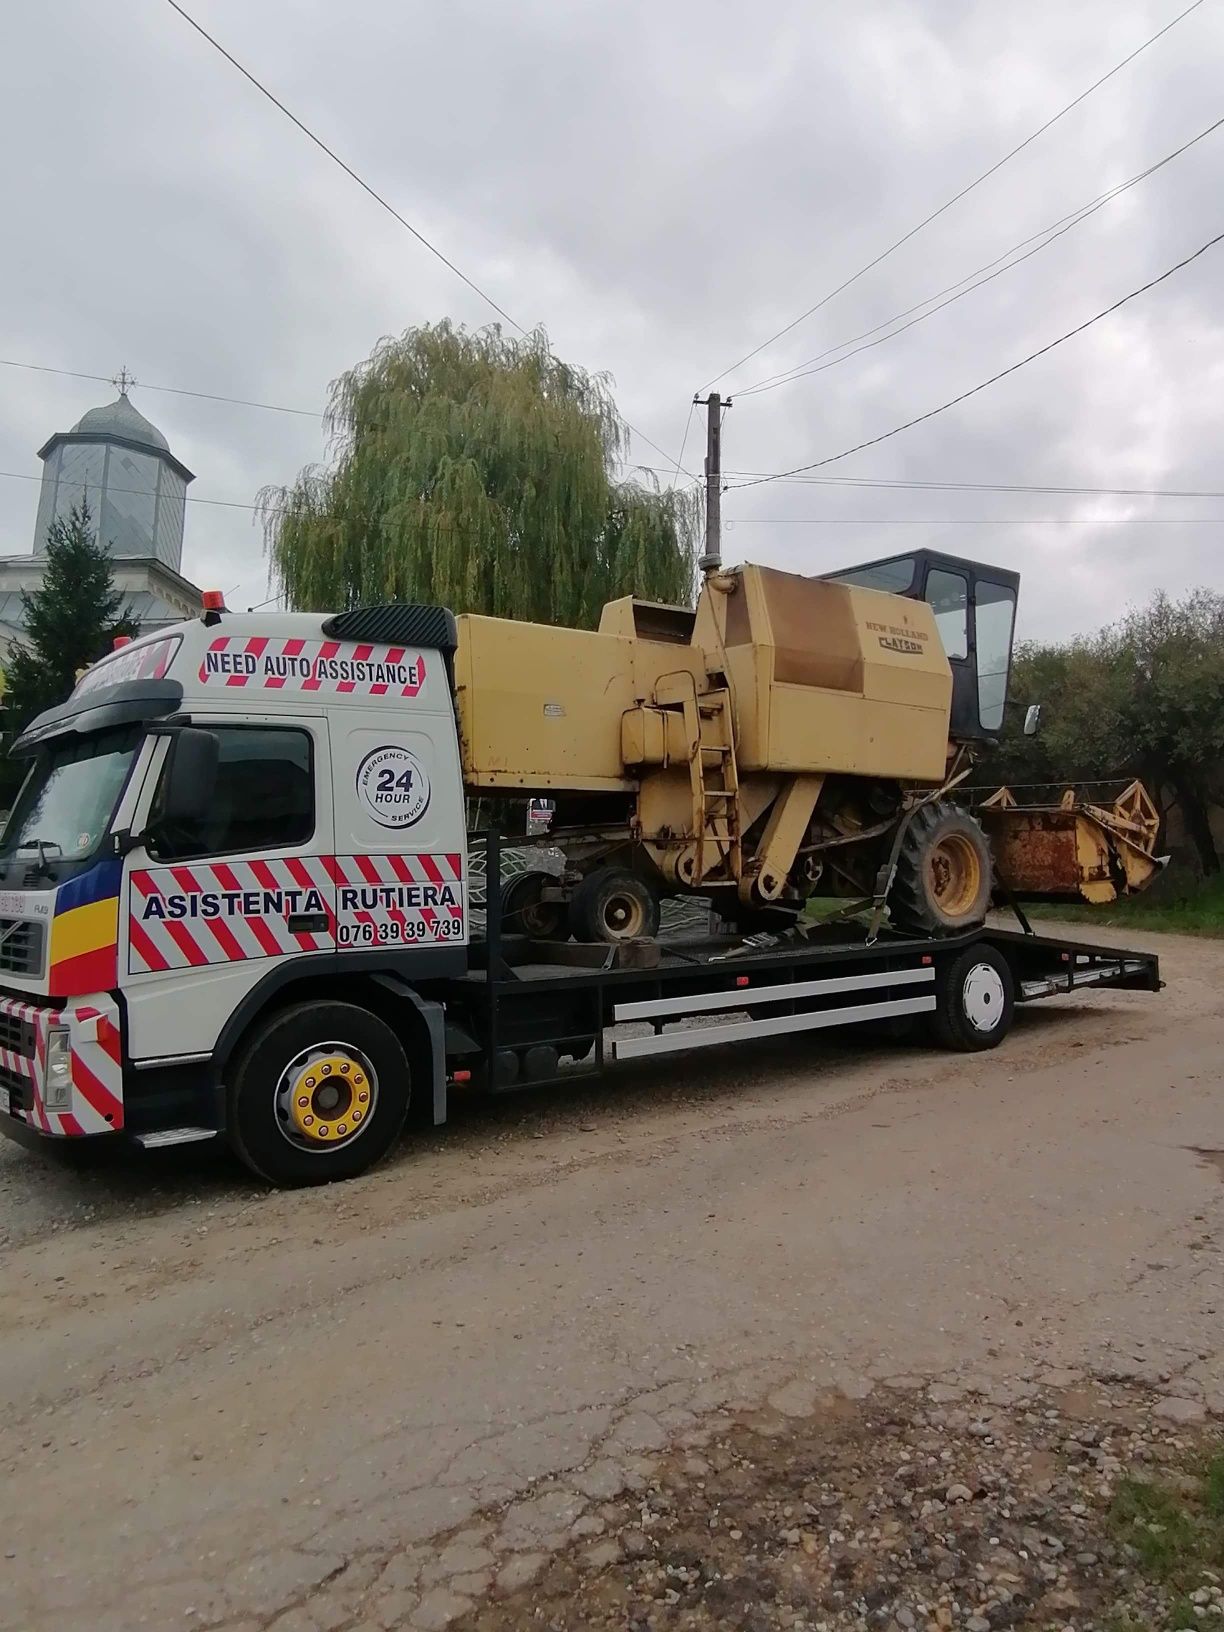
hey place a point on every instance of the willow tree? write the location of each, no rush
(476, 470)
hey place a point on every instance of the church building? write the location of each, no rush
(136, 489)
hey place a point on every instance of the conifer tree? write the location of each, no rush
(70, 621)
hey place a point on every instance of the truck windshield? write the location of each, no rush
(69, 796)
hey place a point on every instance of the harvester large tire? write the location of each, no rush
(944, 878)
(612, 904)
(526, 912)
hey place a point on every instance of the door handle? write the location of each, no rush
(307, 923)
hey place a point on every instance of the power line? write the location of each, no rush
(975, 521)
(347, 168)
(376, 196)
(955, 199)
(138, 492)
(1049, 235)
(954, 487)
(943, 407)
(272, 407)
(683, 443)
(986, 487)
(973, 487)
(188, 498)
(174, 390)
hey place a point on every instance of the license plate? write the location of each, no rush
(6, 1102)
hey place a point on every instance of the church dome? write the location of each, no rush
(123, 466)
(120, 419)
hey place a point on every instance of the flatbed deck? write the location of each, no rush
(525, 1007)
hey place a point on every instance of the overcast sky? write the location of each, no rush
(663, 185)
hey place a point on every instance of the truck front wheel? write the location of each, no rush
(318, 1092)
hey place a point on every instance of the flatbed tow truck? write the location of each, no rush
(235, 904)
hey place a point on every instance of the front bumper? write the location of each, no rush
(93, 1102)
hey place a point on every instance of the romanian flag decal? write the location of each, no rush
(85, 932)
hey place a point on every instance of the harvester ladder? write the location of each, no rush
(715, 782)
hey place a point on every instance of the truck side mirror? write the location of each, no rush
(190, 776)
(1032, 719)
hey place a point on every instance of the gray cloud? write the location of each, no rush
(663, 186)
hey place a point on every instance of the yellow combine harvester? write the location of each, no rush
(789, 737)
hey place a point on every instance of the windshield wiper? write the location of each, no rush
(42, 846)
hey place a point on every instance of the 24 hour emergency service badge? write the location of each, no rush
(393, 785)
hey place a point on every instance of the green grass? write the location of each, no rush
(1197, 910)
(1176, 1533)
(1159, 1525)
(1182, 1615)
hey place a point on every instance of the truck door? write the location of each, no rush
(400, 829)
(214, 903)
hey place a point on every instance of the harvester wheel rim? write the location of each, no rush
(526, 912)
(983, 997)
(612, 905)
(624, 915)
(954, 869)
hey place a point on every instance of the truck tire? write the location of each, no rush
(975, 999)
(525, 912)
(318, 1092)
(612, 904)
(943, 879)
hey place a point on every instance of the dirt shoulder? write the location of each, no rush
(1022, 1505)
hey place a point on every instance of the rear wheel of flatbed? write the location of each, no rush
(318, 1092)
(975, 996)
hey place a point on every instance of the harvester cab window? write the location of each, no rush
(947, 593)
(975, 611)
(894, 577)
(994, 614)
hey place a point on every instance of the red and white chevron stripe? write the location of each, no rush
(398, 899)
(16, 1060)
(145, 661)
(324, 666)
(226, 912)
(97, 1069)
(96, 1066)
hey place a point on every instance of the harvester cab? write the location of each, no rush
(975, 613)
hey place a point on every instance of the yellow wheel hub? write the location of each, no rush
(955, 874)
(329, 1099)
(624, 916)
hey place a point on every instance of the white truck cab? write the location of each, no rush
(221, 810)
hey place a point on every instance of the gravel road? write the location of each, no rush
(387, 1403)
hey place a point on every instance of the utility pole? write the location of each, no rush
(711, 560)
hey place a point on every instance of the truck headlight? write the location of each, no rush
(57, 1088)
